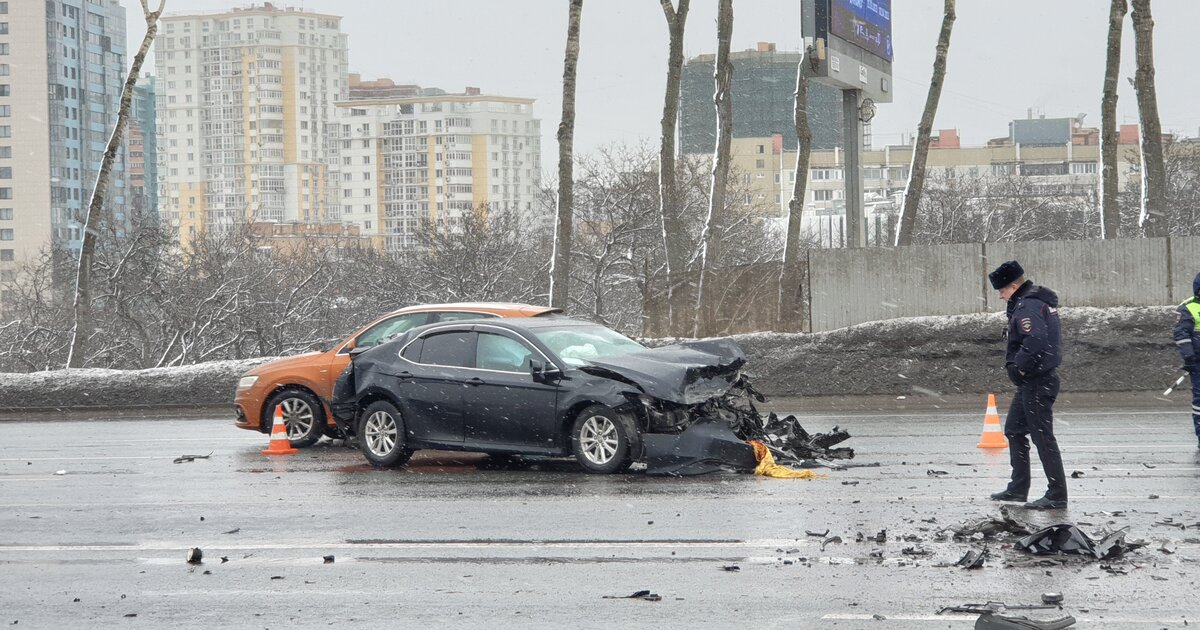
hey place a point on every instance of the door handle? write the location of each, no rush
(474, 380)
(404, 374)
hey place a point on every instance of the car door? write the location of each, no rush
(432, 394)
(504, 405)
(376, 334)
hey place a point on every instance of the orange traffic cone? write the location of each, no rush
(280, 445)
(993, 433)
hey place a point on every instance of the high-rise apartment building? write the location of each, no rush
(142, 149)
(62, 68)
(435, 156)
(243, 101)
(763, 91)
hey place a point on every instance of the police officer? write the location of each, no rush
(1034, 352)
(1187, 339)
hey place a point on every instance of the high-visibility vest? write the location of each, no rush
(1193, 307)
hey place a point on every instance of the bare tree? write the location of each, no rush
(916, 175)
(1153, 170)
(560, 261)
(714, 225)
(1110, 211)
(788, 312)
(81, 331)
(673, 235)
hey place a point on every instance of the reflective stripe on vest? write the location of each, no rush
(1193, 307)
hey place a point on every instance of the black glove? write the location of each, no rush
(1014, 374)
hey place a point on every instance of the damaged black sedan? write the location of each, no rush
(557, 387)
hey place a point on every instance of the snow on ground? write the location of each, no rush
(1106, 349)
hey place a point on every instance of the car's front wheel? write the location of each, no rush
(604, 441)
(381, 435)
(303, 415)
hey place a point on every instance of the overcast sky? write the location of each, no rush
(1005, 57)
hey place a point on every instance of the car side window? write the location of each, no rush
(389, 328)
(412, 351)
(452, 349)
(497, 352)
(453, 316)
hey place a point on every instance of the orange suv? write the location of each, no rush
(303, 384)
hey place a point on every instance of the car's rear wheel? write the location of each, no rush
(604, 441)
(303, 415)
(381, 435)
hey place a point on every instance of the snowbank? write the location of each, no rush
(1113, 349)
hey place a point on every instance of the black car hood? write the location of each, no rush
(688, 373)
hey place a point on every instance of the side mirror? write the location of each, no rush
(537, 368)
(354, 352)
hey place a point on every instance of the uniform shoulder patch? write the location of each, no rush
(1026, 325)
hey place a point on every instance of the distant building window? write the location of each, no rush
(826, 173)
(5, 131)
(5, 110)
(6, 214)
(5, 172)
(4, 70)
(5, 152)
(4, 49)
(760, 164)
(1003, 169)
(3, 8)
(6, 234)
(6, 255)
(822, 195)
(1083, 168)
(5, 193)
(1056, 168)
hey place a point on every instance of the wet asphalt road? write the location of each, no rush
(446, 542)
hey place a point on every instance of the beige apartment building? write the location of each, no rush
(433, 156)
(244, 102)
(62, 66)
(1069, 164)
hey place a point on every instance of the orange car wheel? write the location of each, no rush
(302, 413)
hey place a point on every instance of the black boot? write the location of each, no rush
(1046, 504)
(1008, 495)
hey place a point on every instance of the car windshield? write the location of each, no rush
(578, 345)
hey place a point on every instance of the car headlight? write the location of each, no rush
(247, 382)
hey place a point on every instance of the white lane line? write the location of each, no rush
(968, 414)
(1178, 621)
(150, 547)
(83, 459)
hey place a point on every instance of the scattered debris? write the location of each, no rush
(881, 537)
(233, 531)
(130, 615)
(731, 568)
(832, 540)
(224, 559)
(642, 595)
(276, 577)
(916, 551)
(190, 458)
(1154, 496)
(768, 468)
(992, 617)
(878, 617)
(60, 472)
(195, 556)
(850, 483)
(991, 527)
(1052, 598)
(328, 559)
(973, 559)
(817, 534)
(1065, 538)
(1166, 547)
(936, 473)
(1076, 474)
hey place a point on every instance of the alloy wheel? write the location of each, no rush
(298, 417)
(598, 439)
(380, 433)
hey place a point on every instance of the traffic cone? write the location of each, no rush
(280, 445)
(993, 432)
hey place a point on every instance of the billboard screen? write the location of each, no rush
(864, 23)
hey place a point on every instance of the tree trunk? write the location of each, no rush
(82, 328)
(1153, 218)
(1110, 209)
(560, 263)
(1110, 217)
(916, 173)
(715, 223)
(674, 236)
(790, 302)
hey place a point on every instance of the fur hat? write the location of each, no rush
(1007, 273)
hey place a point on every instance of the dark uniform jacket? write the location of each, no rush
(1187, 338)
(1034, 334)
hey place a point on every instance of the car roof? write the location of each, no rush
(522, 323)
(505, 309)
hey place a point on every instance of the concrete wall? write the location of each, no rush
(1185, 264)
(862, 285)
(849, 287)
(1121, 272)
